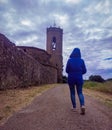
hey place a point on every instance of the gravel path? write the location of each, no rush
(52, 111)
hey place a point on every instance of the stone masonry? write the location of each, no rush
(54, 46)
(19, 68)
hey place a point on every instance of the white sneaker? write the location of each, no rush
(74, 109)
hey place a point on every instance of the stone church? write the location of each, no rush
(22, 66)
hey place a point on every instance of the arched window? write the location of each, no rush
(54, 43)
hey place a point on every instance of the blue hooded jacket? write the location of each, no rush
(75, 66)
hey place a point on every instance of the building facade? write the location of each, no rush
(54, 45)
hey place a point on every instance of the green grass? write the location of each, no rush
(105, 87)
(100, 91)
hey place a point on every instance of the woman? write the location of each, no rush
(76, 68)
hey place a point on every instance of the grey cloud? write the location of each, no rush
(22, 34)
(107, 39)
(105, 73)
(110, 58)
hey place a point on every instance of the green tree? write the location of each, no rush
(96, 78)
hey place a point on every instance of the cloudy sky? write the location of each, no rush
(86, 24)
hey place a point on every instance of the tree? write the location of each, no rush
(96, 78)
(64, 79)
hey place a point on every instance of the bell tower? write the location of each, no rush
(54, 48)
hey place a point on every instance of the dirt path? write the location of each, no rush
(51, 111)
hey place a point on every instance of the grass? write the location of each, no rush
(105, 87)
(101, 91)
(13, 100)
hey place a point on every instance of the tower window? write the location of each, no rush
(54, 43)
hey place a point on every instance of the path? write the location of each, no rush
(51, 111)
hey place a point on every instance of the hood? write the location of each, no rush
(75, 53)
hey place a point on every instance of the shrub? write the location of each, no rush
(96, 78)
(64, 79)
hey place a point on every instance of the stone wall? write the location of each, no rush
(38, 54)
(18, 69)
